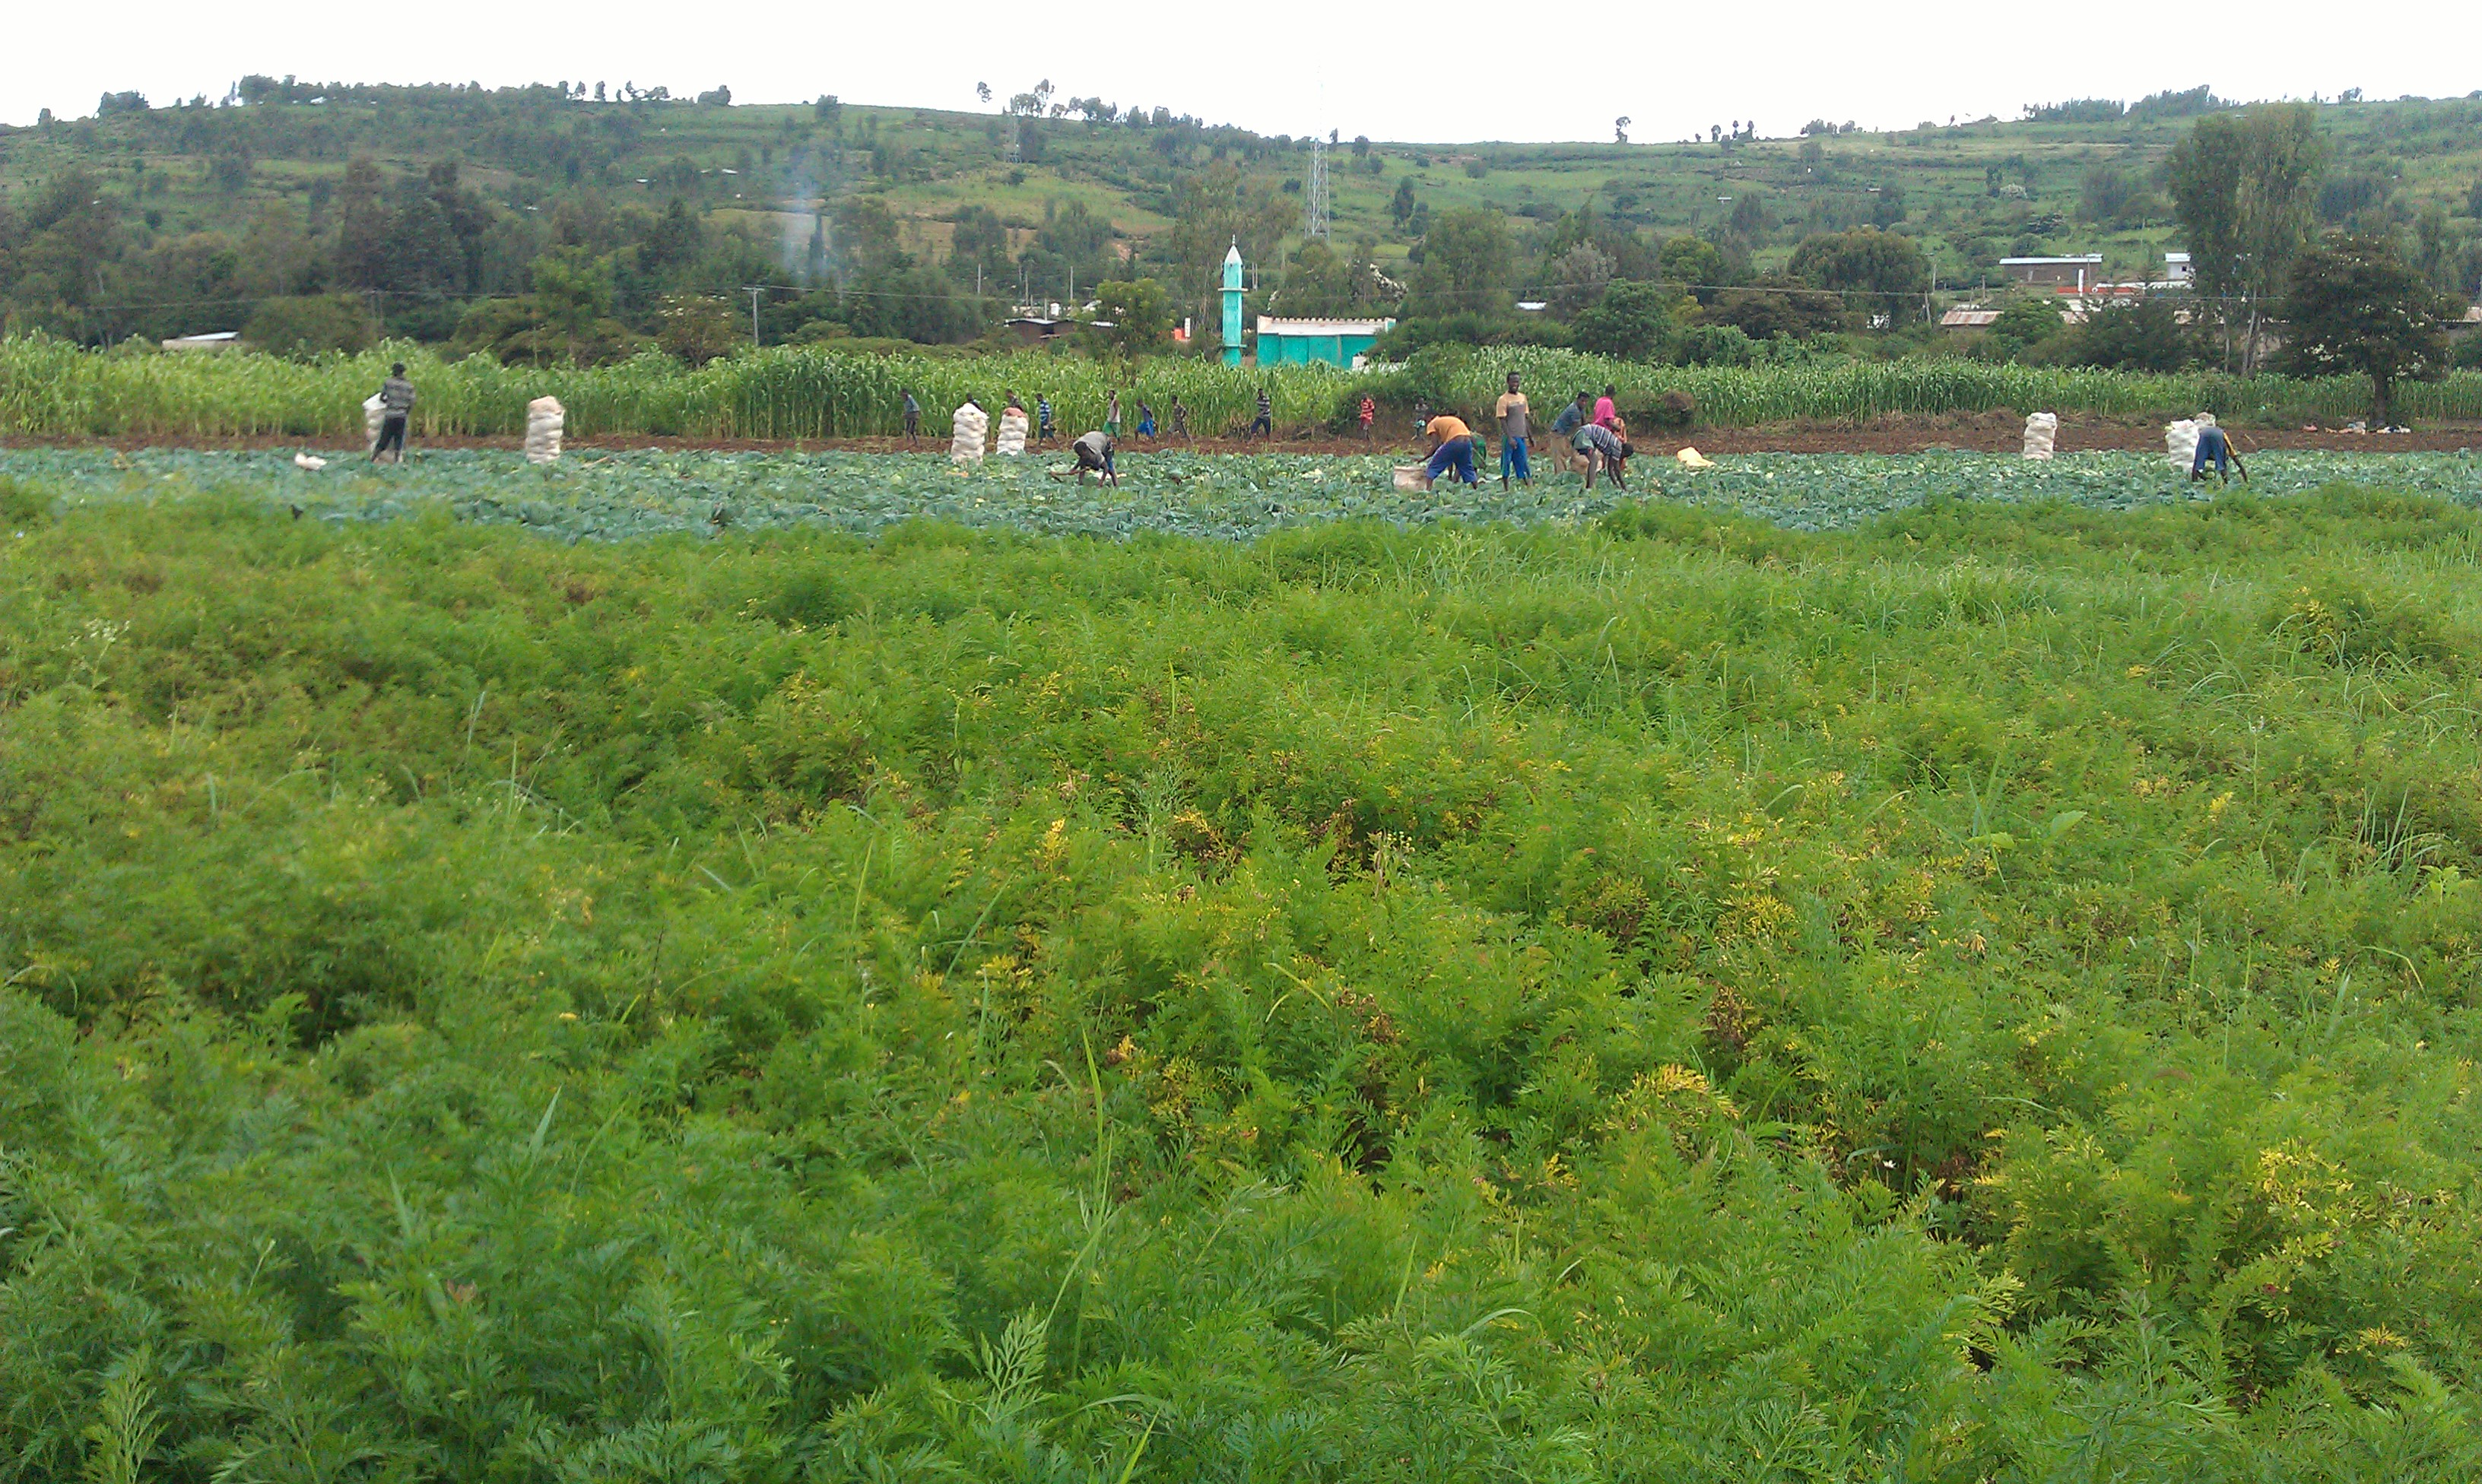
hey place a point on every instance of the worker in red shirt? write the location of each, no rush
(1369, 415)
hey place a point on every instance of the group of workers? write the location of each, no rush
(1594, 428)
(1042, 428)
(1597, 434)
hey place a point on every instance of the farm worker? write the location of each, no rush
(1369, 414)
(912, 418)
(1607, 412)
(1422, 413)
(1111, 418)
(2216, 448)
(1603, 445)
(396, 405)
(1513, 431)
(1012, 440)
(1043, 417)
(1179, 418)
(1145, 421)
(1094, 457)
(1451, 447)
(1264, 423)
(1571, 423)
(966, 433)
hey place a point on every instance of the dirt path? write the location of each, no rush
(1990, 433)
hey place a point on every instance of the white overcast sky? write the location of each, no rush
(1519, 72)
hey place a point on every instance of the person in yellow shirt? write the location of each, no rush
(1451, 447)
(1514, 427)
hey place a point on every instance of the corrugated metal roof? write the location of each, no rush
(1269, 325)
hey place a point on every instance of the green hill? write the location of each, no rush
(160, 221)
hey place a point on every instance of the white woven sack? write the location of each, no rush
(1012, 430)
(546, 421)
(966, 430)
(2042, 430)
(373, 411)
(2181, 444)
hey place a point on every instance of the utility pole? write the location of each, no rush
(1314, 211)
(753, 290)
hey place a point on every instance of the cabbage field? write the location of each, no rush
(608, 495)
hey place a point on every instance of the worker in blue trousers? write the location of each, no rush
(1452, 447)
(2213, 447)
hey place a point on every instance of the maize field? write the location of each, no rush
(51, 389)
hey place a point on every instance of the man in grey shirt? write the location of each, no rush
(396, 405)
(1095, 452)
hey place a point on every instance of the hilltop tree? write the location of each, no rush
(1400, 206)
(1138, 313)
(1631, 323)
(980, 241)
(363, 225)
(1879, 272)
(1213, 208)
(1468, 265)
(1323, 281)
(1692, 262)
(2353, 304)
(2245, 185)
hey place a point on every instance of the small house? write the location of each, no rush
(2068, 274)
(219, 340)
(1033, 329)
(1968, 317)
(1316, 342)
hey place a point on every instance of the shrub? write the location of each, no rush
(310, 326)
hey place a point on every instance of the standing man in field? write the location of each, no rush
(1451, 447)
(1512, 414)
(1180, 418)
(912, 418)
(396, 406)
(1043, 418)
(1263, 426)
(1369, 414)
(1572, 419)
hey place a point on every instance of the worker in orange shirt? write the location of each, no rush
(1451, 447)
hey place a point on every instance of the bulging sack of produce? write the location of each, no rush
(965, 432)
(546, 420)
(2042, 430)
(1409, 477)
(373, 411)
(2181, 443)
(1013, 428)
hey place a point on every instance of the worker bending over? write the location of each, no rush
(1094, 454)
(1600, 445)
(2215, 448)
(1451, 447)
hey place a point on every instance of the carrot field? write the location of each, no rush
(1982, 992)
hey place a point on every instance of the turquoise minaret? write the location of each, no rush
(1232, 304)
